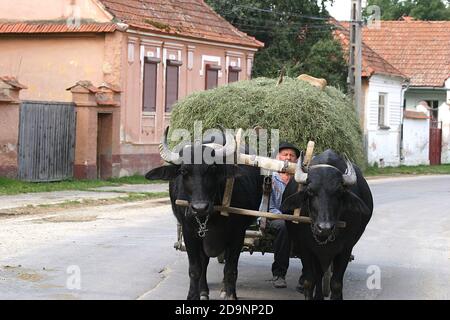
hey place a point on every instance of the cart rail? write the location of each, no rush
(253, 213)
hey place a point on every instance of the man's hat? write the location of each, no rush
(287, 145)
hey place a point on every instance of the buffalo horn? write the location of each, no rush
(350, 175)
(166, 154)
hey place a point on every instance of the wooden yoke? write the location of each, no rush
(308, 157)
(226, 201)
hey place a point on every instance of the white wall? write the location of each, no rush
(444, 116)
(415, 96)
(416, 148)
(384, 143)
(447, 85)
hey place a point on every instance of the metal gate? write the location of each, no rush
(46, 141)
(435, 142)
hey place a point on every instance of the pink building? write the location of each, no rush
(124, 63)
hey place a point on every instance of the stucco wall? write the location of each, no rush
(415, 96)
(142, 131)
(444, 116)
(52, 64)
(416, 134)
(9, 137)
(51, 10)
(383, 144)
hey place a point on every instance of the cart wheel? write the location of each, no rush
(221, 258)
(326, 282)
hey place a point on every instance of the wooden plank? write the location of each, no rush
(226, 201)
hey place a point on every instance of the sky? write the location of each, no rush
(341, 9)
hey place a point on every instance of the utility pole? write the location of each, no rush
(355, 61)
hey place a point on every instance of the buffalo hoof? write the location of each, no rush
(204, 295)
(223, 295)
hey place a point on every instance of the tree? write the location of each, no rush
(418, 9)
(326, 60)
(288, 28)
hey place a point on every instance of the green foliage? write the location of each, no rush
(432, 10)
(326, 60)
(298, 110)
(288, 28)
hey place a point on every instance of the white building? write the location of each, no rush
(383, 89)
(399, 130)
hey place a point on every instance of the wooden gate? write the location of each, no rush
(435, 142)
(46, 141)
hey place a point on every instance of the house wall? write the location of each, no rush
(141, 131)
(51, 64)
(383, 144)
(414, 96)
(444, 117)
(9, 137)
(26, 10)
(447, 86)
(416, 146)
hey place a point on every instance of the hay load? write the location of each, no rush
(299, 110)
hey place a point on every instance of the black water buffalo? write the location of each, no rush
(333, 189)
(206, 232)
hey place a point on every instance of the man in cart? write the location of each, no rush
(282, 243)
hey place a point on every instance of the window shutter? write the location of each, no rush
(172, 77)
(233, 74)
(212, 76)
(150, 82)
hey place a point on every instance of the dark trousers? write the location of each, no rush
(281, 247)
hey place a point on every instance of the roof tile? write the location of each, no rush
(41, 27)
(420, 49)
(190, 18)
(372, 63)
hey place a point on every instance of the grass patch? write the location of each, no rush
(131, 197)
(407, 170)
(11, 186)
(56, 207)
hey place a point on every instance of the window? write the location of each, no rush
(212, 76)
(233, 74)
(150, 82)
(172, 79)
(382, 98)
(434, 105)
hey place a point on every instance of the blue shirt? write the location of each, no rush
(278, 187)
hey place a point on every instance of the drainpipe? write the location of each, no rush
(405, 87)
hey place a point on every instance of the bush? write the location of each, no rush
(299, 110)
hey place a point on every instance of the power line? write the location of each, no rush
(284, 14)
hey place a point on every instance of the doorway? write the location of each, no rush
(435, 142)
(104, 145)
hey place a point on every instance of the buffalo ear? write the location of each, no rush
(353, 204)
(163, 173)
(292, 202)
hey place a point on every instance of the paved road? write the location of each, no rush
(125, 252)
